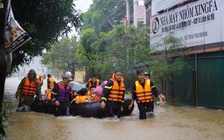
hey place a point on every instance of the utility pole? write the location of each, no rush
(128, 12)
(135, 6)
(144, 14)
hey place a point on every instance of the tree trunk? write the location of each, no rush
(3, 65)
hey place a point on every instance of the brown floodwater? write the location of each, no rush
(169, 123)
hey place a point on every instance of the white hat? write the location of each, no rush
(68, 75)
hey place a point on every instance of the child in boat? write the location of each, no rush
(91, 93)
(82, 96)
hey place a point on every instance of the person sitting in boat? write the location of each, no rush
(98, 91)
(91, 93)
(82, 96)
(93, 81)
(47, 96)
(61, 95)
(113, 95)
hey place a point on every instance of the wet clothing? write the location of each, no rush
(113, 96)
(27, 89)
(91, 84)
(62, 94)
(142, 93)
(62, 110)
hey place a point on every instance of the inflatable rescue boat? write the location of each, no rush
(87, 109)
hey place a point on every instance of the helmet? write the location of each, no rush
(68, 75)
(146, 73)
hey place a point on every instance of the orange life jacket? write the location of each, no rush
(117, 91)
(40, 81)
(29, 87)
(51, 82)
(98, 98)
(47, 94)
(144, 95)
(90, 83)
(82, 99)
(92, 96)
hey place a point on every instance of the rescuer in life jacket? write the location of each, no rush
(50, 82)
(93, 81)
(40, 80)
(147, 76)
(143, 90)
(26, 90)
(50, 86)
(113, 95)
(61, 95)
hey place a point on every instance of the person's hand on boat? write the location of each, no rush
(103, 104)
(122, 108)
(161, 103)
(57, 103)
(130, 106)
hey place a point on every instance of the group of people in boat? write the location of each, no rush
(110, 93)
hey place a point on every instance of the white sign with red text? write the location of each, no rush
(195, 23)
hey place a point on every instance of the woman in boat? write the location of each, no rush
(93, 81)
(98, 91)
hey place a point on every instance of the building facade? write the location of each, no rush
(34, 64)
(198, 24)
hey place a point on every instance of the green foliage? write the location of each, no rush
(104, 14)
(62, 55)
(122, 48)
(168, 59)
(45, 21)
(4, 117)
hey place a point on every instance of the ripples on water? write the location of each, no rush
(169, 123)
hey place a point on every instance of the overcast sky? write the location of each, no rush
(83, 5)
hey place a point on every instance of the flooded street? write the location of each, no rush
(169, 123)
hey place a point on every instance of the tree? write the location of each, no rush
(90, 48)
(164, 62)
(62, 55)
(104, 14)
(122, 48)
(130, 46)
(45, 21)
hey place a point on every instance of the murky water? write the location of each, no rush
(169, 123)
